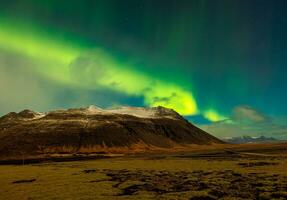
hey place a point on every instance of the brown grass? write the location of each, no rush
(154, 176)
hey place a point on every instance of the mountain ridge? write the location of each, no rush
(93, 129)
(251, 140)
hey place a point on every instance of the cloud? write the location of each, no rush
(246, 120)
(22, 87)
(19, 86)
(98, 69)
(246, 114)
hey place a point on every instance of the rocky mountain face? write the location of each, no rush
(92, 129)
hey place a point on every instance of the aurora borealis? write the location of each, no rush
(214, 61)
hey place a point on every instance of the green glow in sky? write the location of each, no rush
(82, 66)
(31, 41)
(198, 57)
(213, 115)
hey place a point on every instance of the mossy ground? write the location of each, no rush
(148, 177)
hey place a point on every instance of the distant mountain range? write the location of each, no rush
(92, 129)
(249, 139)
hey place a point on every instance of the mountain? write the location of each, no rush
(92, 129)
(249, 139)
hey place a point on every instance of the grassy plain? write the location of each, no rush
(241, 172)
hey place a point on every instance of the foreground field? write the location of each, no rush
(238, 173)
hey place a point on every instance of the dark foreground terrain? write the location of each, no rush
(241, 172)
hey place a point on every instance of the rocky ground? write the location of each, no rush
(209, 184)
(203, 176)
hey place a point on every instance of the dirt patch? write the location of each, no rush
(202, 198)
(24, 181)
(257, 164)
(87, 171)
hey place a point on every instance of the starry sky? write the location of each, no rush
(219, 63)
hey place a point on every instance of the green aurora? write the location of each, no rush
(59, 58)
(202, 58)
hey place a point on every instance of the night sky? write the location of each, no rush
(220, 63)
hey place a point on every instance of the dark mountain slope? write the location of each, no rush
(93, 129)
